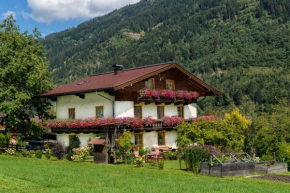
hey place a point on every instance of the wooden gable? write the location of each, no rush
(182, 82)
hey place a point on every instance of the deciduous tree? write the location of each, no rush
(23, 74)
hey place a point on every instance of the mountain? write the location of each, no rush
(241, 47)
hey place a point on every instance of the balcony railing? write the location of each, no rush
(168, 96)
(92, 125)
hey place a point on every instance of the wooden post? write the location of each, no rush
(107, 146)
(115, 135)
(274, 156)
(210, 162)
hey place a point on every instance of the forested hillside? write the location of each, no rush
(241, 47)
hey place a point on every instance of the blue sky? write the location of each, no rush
(51, 16)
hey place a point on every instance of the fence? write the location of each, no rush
(11, 146)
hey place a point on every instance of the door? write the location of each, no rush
(139, 141)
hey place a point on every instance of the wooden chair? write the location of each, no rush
(160, 156)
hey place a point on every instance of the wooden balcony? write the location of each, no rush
(157, 126)
(159, 101)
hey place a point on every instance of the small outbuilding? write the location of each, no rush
(100, 151)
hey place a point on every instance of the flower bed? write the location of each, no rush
(168, 94)
(134, 122)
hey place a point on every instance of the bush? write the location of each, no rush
(140, 162)
(82, 152)
(193, 156)
(48, 145)
(10, 152)
(74, 141)
(125, 145)
(129, 158)
(58, 151)
(23, 153)
(47, 155)
(38, 154)
(69, 156)
(160, 164)
(143, 151)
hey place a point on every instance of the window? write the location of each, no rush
(139, 140)
(180, 111)
(160, 112)
(138, 111)
(161, 138)
(71, 113)
(150, 83)
(170, 84)
(100, 112)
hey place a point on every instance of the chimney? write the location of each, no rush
(117, 68)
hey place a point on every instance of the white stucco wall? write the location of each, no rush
(150, 139)
(190, 111)
(64, 138)
(169, 110)
(84, 108)
(124, 108)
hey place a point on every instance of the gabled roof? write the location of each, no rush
(111, 81)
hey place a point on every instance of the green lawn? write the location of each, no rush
(18, 174)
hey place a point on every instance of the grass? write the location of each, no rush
(18, 174)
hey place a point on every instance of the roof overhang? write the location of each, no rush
(173, 65)
(195, 81)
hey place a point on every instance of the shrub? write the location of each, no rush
(143, 151)
(38, 154)
(69, 156)
(125, 145)
(10, 152)
(129, 158)
(160, 164)
(23, 153)
(74, 141)
(82, 152)
(47, 155)
(58, 151)
(49, 145)
(140, 162)
(193, 156)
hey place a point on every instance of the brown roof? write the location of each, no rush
(110, 81)
(97, 141)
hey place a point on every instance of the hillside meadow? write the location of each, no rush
(19, 174)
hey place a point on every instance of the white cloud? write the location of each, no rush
(6, 14)
(47, 11)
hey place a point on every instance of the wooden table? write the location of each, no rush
(151, 155)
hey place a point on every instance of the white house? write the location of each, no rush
(161, 90)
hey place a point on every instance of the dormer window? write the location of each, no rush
(170, 84)
(150, 83)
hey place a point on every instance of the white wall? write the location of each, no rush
(150, 139)
(169, 110)
(84, 108)
(64, 138)
(190, 111)
(124, 108)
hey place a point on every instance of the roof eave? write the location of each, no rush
(72, 93)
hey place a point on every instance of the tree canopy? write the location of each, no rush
(23, 74)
